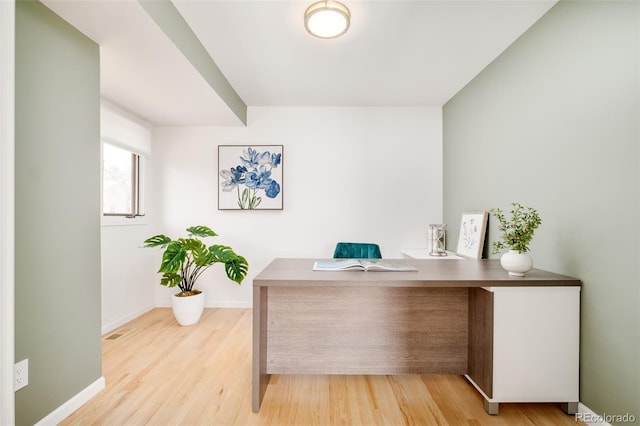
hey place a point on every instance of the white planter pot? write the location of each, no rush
(188, 310)
(516, 263)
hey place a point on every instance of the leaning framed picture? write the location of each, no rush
(473, 226)
(250, 177)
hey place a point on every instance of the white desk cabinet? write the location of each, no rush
(524, 345)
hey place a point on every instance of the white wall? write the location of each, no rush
(360, 174)
(537, 125)
(128, 281)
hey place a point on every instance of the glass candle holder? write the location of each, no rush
(437, 242)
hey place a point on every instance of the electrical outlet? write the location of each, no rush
(21, 374)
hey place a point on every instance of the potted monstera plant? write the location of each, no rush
(183, 262)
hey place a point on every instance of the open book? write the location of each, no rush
(361, 264)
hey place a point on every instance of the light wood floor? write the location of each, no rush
(160, 373)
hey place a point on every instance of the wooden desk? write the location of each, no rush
(515, 339)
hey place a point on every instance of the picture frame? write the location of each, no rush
(250, 177)
(473, 226)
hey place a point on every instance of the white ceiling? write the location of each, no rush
(396, 53)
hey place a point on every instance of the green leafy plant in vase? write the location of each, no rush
(517, 233)
(183, 262)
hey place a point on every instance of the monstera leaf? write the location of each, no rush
(157, 240)
(185, 259)
(235, 265)
(237, 269)
(170, 279)
(201, 231)
(173, 258)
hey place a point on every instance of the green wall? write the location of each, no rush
(57, 294)
(553, 123)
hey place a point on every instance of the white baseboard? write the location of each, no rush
(590, 417)
(66, 409)
(108, 328)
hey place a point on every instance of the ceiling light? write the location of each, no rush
(327, 19)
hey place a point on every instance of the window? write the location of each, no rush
(126, 147)
(121, 182)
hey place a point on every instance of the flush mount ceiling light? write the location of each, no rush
(327, 19)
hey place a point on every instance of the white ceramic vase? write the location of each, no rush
(516, 263)
(188, 310)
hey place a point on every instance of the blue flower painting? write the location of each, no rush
(250, 177)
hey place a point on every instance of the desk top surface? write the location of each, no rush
(430, 273)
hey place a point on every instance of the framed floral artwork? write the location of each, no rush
(250, 177)
(473, 226)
